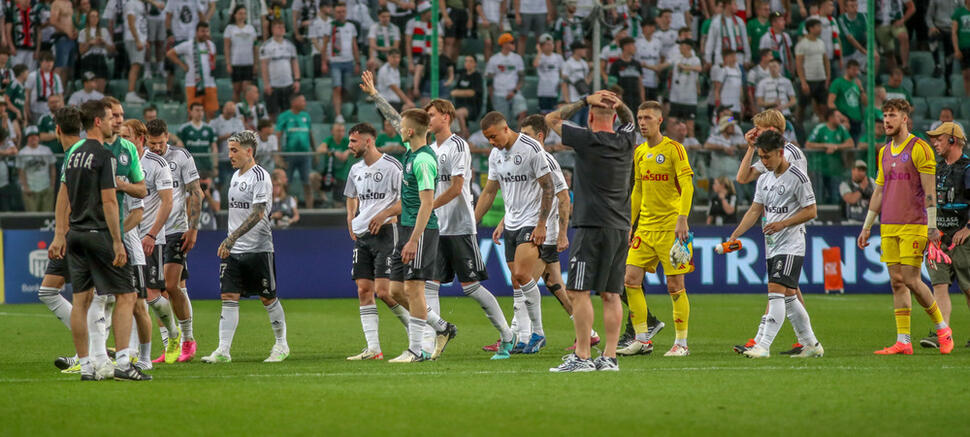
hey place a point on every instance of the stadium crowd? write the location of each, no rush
(290, 70)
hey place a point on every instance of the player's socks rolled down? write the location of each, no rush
(56, 303)
(163, 310)
(228, 321)
(491, 307)
(903, 325)
(520, 320)
(401, 313)
(416, 329)
(533, 306)
(277, 320)
(775, 317)
(681, 315)
(368, 321)
(638, 310)
(97, 331)
(936, 316)
(800, 321)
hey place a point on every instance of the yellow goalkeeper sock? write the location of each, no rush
(638, 308)
(936, 316)
(902, 325)
(681, 313)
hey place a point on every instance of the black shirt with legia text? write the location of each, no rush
(601, 182)
(89, 169)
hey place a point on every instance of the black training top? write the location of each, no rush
(601, 181)
(89, 169)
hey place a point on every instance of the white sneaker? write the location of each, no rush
(367, 354)
(148, 73)
(636, 347)
(811, 352)
(105, 370)
(131, 97)
(278, 354)
(217, 356)
(757, 351)
(410, 357)
(143, 365)
(678, 351)
(339, 119)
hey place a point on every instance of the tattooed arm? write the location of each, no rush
(555, 118)
(545, 207)
(623, 112)
(259, 212)
(193, 208)
(565, 209)
(367, 85)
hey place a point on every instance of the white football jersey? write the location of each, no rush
(158, 177)
(132, 239)
(559, 185)
(376, 187)
(793, 154)
(245, 191)
(517, 170)
(183, 169)
(455, 159)
(783, 196)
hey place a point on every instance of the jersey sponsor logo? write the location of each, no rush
(407, 168)
(239, 205)
(655, 177)
(444, 178)
(898, 176)
(371, 196)
(514, 178)
(776, 209)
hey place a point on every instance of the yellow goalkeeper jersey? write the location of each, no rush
(656, 170)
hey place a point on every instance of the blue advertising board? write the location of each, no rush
(315, 263)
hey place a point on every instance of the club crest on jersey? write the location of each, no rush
(661, 158)
(242, 186)
(442, 158)
(171, 166)
(517, 159)
(124, 159)
(378, 177)
(904, 157)
(407, 168)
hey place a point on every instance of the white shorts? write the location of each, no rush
(135, 56)
(156, 29)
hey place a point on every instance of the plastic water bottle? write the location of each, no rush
(769, 239)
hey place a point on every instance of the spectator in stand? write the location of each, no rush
(293, 130)
(847, 96)
(317, 34)
(239, 41)
(157, 34)
(182, 18)
(303, 13)
(89, 92)
(490, 14)
(200, 139)
(828, 139)
(358, 13)
(724, 203)
(136, 44)
(611, 52)
(37, 173)
(856, 194)
(755, 74)
(401, 11)
(381, 39)
(822, 12)
(625, 71)
(446, 77)
(724, 144)
(149, 113)
(250, 109)
(267, 146)
(256, 11)
(780, 43)
(468, 94)
(417, 40)
(13, 129)
(578, 77)
(95, 46)
(507, 72)
(946, 116)
(775, 91)
(40, 85)
(10, 199)
(198, 58)
(891, 33)
(880, 138)
(25, 40)
(939, 23)
(681, 14)
(64, 37)
(649, 54)
(666, 32)
(46, 128)
(281, 71)
(389, 141)
(342, 57)
(458, 21)
(683, 84)
(727, 31)
(6, 71)
(960, 38)
(813, 68)
(16, 93)
(567, 29)
(758, 26)
(211, 203)
(532, 16)
(334, 164)
(628, 16)
(894, 86)
(389, 82)
(285, 210)
(676, 130)
(728, 84)
(224, 126)
(852, 31)
(548, 65)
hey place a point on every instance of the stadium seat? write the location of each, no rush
(319, 131)
(921, 63)
(173, 113)
(157, 89)
(964, 108)
(471, 45)
(347, 111)
(531, 86)
(930, 87)
(316, 110)
(920, 107)
(938, 103)
(907, 82)
(306, 65)
(306, 88)
(368, 113)
(224, 89)
(117, 87)
(220, 71)
(132, 110)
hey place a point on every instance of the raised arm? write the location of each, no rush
(555, 118)
(388, 111)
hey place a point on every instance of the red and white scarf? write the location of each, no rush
(836, 41)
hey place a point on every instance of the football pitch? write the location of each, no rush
(713, 391)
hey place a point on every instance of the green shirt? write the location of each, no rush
(820, 161)
(706, 26)
(340, 169)
(755, 30)
(17, 95)
(897, 93)
(384, 140)
(856, 28)
(420, 174)
(127, 165)
(198, 141)
(847, 99)
(962, 17)
(46, 125)
(296, 131)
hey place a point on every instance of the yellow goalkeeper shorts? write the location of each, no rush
(649, 248)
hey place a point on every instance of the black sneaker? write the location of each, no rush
(90, 377)
(740, 348)
(64, 362)
(131, 374)
(625, 341)
(795, 350)
(930, 341)
(606, 364)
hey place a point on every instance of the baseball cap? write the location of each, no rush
(725, 123)
(31, 130)
(576, 45)
(948, 128)
(687, 41)
(424, 7)
(88, 75)
(506, 38)
(544, 38)
(860, 164)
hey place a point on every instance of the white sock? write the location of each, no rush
(800, 321)
(431, 290)
(776, 316)
(109, 312)
(401, 313)
(368, 320)
(278, 319)
(492, 310)
(593, 334)
(123, 358)
(228, 321)
(56, 303)
(186, 327)
(434, 306)
(521, 318)
(904, 338)
(185, 292)
(533, 305)
(133, 338)
(86, 365)
(436, 323)
(761, 329)
(97, 333)
(163, 310)
(163, 332)
(145, 352)
(416, 329)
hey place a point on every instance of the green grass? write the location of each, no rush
(849, 391)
